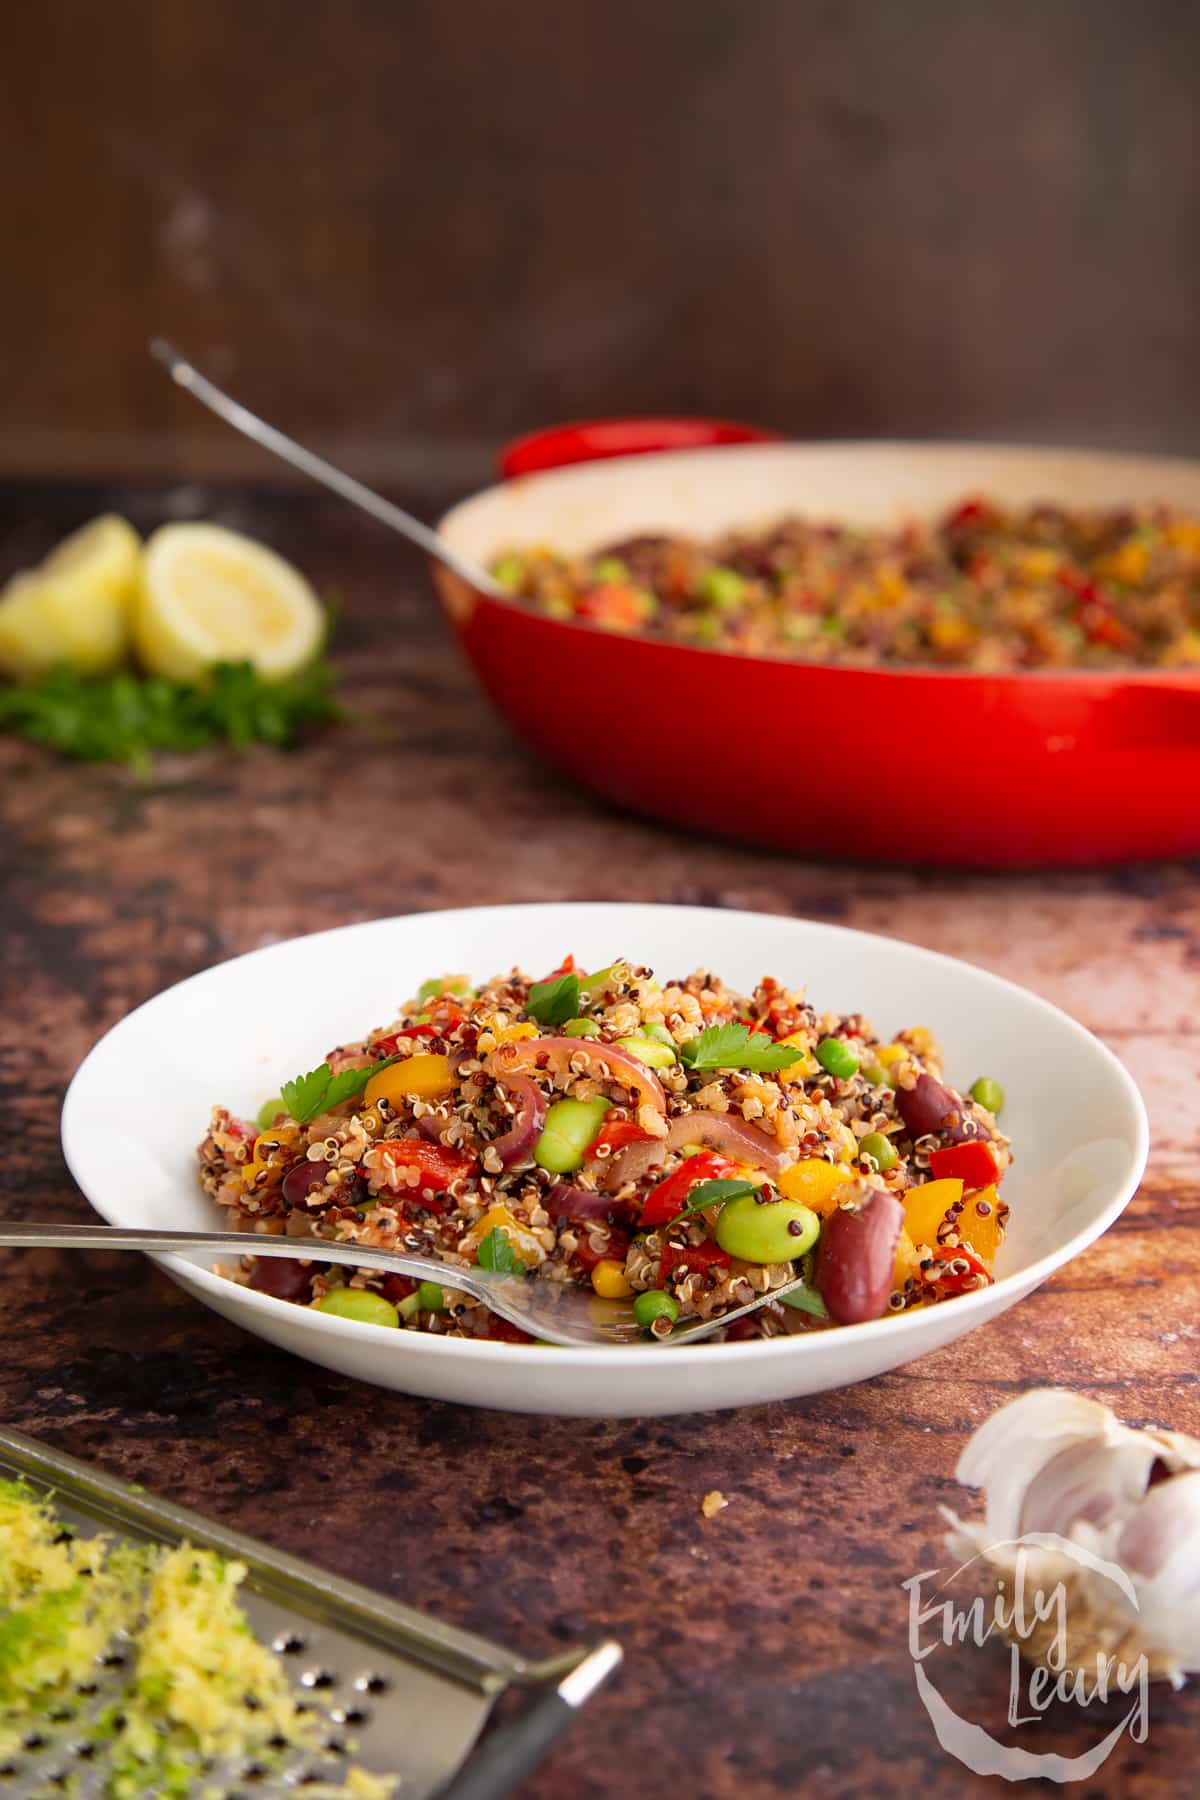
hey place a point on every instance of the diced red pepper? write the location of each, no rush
(697, 1258)
(667, 1199)
(386, 1046)
(617, 1134)
(616, 1247)
(973, 1163)
(620, 608)
(971, 512)
(975, 1266)
(565, 967)
(437, 1164)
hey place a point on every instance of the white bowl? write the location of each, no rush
(139, 1104)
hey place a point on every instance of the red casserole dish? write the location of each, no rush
(936, 766)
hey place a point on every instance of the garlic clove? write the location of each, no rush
(1010, 1449)
(1094, 1481)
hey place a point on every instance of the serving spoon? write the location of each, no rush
(556, 1311)
(186, 375)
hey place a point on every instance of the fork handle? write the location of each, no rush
(27, 1234)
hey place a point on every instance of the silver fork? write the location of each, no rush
(556, 1311)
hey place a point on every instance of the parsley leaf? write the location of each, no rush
(737, 1047)
(496, 1252)
(803, 1298)
(554, 1002)
(713, 1193)
(319, 1090)
(126, 717)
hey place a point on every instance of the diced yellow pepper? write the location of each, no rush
(609, 1281)
(416, 1078)
(512, 1034)
(951, 633)
(1183, 534)
(815, 1183)
(1038, 565)
(981, 1230)
(907, 1261)
(927, 1205)
(1128, 561)
(890, 1054)
(264, 1144)
(519, 1235)
(805, 1065)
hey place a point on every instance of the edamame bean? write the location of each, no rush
(655, 1305)
(880, 1150)
(877, 1075)
(658, 1032)
(836, 1057)
(722, 588)
(581, 1028)
(361, 1304)
(267, 1113)
(431, 1297)
(569, 1129)
(989, 1093)
(649, 1051)
(766, 1231)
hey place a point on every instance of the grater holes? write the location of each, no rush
(35, 1741)
(349, 1715)
(371, 1683)
(336, 1746)
(289, 1643)
(318, 1678)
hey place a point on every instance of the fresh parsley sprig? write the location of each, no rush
(737, 1047)
(554, 1002)
(496, 1252)
(713, 1193)
(127, 718)
(320, 1090)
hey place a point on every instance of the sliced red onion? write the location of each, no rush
(431, 1127)
(720, 1131)
(566, 1202)
(554, 1055)
(517, 1142)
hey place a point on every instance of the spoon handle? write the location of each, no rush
(188, 377)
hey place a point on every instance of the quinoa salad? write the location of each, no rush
(676, 1145)
(983, 588)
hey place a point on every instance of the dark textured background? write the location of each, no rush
(766, 1647)
(410, 228)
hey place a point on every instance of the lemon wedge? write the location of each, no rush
(75, 608)
(209, 595)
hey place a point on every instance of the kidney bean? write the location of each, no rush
(286, 1277)
(931, 1107)
(301, 1178)
(856, 1256)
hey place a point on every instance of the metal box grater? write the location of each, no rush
(402, 1694)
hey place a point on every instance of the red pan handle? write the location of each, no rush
(1150, 716)
(587, 440)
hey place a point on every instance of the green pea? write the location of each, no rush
(581, 1028)
(880, 1150)
(877, 1075)
(706, 630)
(832, 626)
(431, 1297)
(569, 1129)
(655, 1305)
(989, 1093)
(769, 1231)
(610, 568)
(508, 572)
(722, 588)
(267, 1113)
(649, 1051)
(836, 1057)
(361, 1304)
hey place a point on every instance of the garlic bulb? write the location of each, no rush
(1060, 1468)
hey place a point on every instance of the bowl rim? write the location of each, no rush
(555, 1356)
(1183, 679)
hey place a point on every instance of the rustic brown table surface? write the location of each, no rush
(766, 1647)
